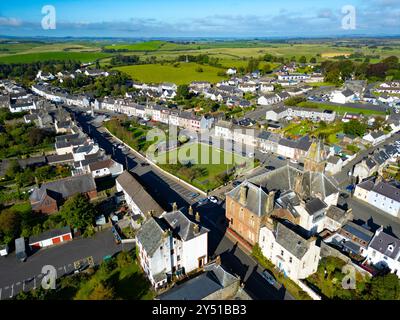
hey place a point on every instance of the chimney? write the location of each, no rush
(218, 260)
(243, 194)
(298, 184)
(190, 210)
(269, 203)
(196, 228)
(174, 207)
(197, 217)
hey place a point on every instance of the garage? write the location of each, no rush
(50, 238)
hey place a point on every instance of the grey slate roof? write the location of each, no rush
(381, 242)
(358, 231)
(139, 195)
(65, 188)
(314, 206)
(255, 200)
(181, 225)
(214, 278)
(291, 241)
(150, 236)
(283, 179)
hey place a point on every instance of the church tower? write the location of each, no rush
(315, 159)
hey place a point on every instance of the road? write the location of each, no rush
(17, 276)
(167, 191)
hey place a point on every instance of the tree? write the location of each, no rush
(102, 291)
(303, 59)
(385, 287)
(13, 169)
(78, 212)
(355, 128)
(9, 224)
(333, 76)
(183, 92)
(313, 60)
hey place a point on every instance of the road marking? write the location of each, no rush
(12, 291)
(0, 292)
(6, 288)
(34, 283)
(23, 285)
(18, 283)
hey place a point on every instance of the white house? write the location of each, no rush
(380, 194)
(44, 76)
(81, 152)
(224, 129)
(312, 214)
(171, 245)
(231, 71)
(139, 201)
(376, 137)
(105, 168)
(384, 252)
(294, 255)
(268, 99)
(343, 97)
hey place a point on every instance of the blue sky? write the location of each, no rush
(194, 18)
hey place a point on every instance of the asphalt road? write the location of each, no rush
(17, 276)
(167, 191)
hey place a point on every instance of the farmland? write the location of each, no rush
(181, 74)
(43, 56)
(202, 165)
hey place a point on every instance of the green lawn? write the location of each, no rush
(339, 109)
(44, 56)
(207, 161)
(183, 74)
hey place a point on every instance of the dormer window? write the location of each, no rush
(390, 247)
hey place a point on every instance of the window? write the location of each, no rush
(282, 253)
(178, 258)
(172, 252)
(161, 248)
(231, 221)
(290, 259)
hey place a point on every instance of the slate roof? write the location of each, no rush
(139, 195)
(49, 234)
(255, 200)
(153, 230)
(291, 241)
(283, 179)
(388, 190)
(381, 242)
(64, 188)
(347, 93)
(214, 278)
(336, 214)
(181, 225)
(314, 206)
(150, 236)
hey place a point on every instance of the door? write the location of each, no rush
(66, 237)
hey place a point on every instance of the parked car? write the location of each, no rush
(213, 199)
(281, 158)
(269, 277)
(236, 183)
(194, 195)
(202, 201)
(20, 249)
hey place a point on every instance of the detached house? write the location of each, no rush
(171, 245)
(384, 252)
(50, 196)
(294, 255)
(343, 97)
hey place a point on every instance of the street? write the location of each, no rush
(167, 191)
(17, 276)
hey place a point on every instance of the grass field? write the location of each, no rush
(43, 56)
(142, 46)
(339, 109)
(208, 160)
(183, 74)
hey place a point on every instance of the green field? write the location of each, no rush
(183, 74)
(339, 109)
(43, 56)
(141, 46)
(209, 162)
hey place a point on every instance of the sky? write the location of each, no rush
(205, 18)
